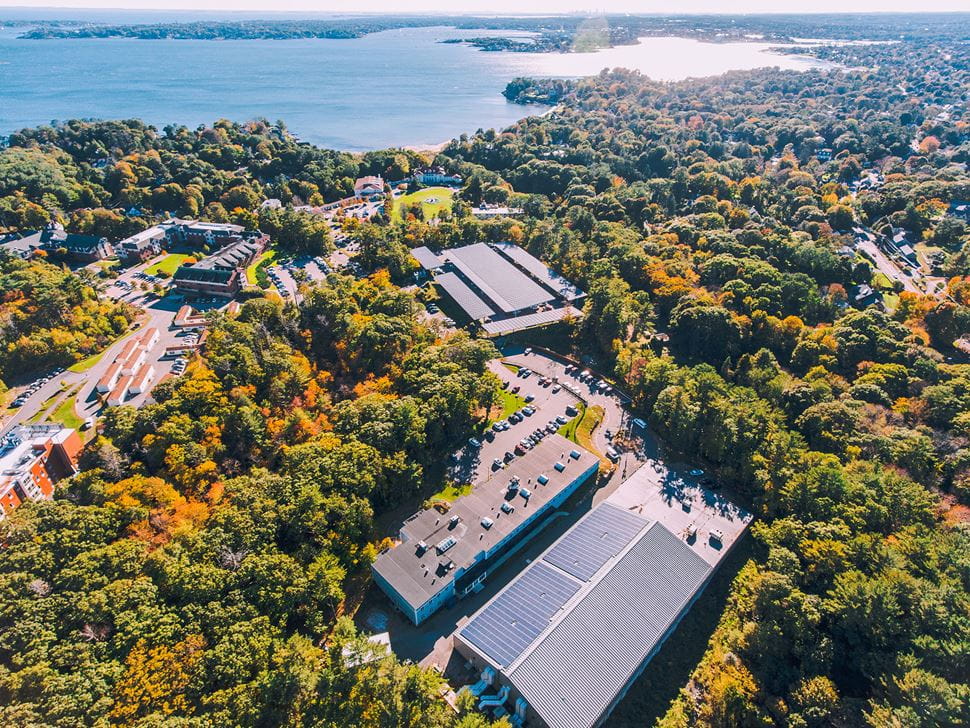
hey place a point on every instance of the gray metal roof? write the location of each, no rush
(427, 259)
(571, 650)
(540, 271)
(505, 285)
(470, 302)
(579, 667)
(527, 321)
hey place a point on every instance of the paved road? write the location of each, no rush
(885, 265)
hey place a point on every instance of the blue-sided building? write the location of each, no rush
(442, 557)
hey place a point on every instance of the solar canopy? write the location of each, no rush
(595, 540)
(513, 620)
(464, 296)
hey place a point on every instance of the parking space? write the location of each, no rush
(546, 408)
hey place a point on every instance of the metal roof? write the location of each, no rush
(464, 296)
(632, 580)
(527, 321)
(505, 285)
(579, 667)
(507, 626)
(427, 259)
(540, 271)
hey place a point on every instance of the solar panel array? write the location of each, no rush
(528, 320)
(610, 631)
(594, 541)
(470, 302)
(513, 620)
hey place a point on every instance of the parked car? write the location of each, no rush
(474, 443)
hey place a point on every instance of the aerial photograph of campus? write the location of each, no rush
(484, 364)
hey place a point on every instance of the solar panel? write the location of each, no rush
(464, 296)
(513, 620)
(594, 541)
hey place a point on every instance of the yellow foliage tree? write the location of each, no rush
(155, 680)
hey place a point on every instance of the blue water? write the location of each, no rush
(396, 88)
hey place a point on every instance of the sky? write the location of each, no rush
(517, 6)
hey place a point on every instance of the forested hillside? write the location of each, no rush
(197, 571)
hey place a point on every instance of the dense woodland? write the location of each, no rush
(198, 572)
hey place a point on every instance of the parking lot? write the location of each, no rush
(287, 277)
(544, 403)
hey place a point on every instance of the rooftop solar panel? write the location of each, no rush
(470, 302)
(513, 620)
(594, 540)
(610, 631)
(508, 287)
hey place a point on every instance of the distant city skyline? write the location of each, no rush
(509, 6)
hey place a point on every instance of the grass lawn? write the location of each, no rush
(64, 413)
(442, 197)
(890, 301)
(169, 264)
(509, 403)
(85, 364)
(452, 493)
(265, 259)
(580, 429)
(881, 281)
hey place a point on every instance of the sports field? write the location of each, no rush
(433, 200)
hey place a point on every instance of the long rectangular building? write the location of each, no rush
(501, 286)
(570, 635)
(503, 283)
(444, 556)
